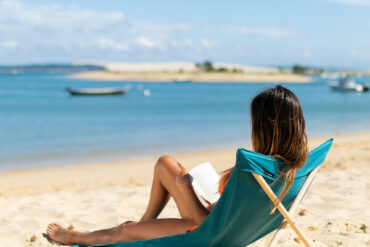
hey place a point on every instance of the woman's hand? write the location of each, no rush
(183, 179)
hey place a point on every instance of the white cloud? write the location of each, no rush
(63, 32)
(267, 31)
(9, 44)
(161, 27)
(14, 14)
(353, 2)
(60, 32)
(107, 44)
(143, 41)
(71, 28)
(148, 43)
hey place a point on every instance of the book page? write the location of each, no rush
(205, 182)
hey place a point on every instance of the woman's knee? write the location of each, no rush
(165, 162)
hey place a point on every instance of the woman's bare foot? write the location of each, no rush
(60, 234)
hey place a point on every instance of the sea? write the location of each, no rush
(41, 125)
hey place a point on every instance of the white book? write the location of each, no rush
(205, 182)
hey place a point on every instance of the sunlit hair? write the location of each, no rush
(278, 130)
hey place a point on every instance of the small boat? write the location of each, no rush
(333, 75)
(345, 85)
(182, 81)
(98, 91)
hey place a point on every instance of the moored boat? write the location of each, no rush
(345, 85)
(97, 91)
(182, 81)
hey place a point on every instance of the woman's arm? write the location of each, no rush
(183, 181)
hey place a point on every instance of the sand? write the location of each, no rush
(178, 66)
(335, 212)
(195, 77)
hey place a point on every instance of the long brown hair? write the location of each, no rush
(278, 130)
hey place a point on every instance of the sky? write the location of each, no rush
(321, 33)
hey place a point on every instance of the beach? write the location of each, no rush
(93, 93)
(85, 197)
(192, 76)
(185, 71)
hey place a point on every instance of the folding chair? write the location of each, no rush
(242, 214)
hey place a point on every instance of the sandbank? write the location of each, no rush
(196, 77)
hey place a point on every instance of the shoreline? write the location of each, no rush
(106, 157)
(195, 77)
(70, 171)
(121, 172)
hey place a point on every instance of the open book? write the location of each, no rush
(205, 182)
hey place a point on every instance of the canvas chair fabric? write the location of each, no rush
(242, 214)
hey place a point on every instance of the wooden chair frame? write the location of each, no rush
(288, 219)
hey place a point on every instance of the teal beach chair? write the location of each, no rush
(242, 214)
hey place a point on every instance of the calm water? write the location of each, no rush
(41, 125)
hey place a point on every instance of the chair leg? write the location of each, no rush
(293, 208)
(277, 234)
(281, 208)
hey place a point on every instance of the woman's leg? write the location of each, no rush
(164, 186)
(129, 231)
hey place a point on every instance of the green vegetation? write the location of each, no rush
(207, 66)
(235, 70)
(222, 69)
(299, 69)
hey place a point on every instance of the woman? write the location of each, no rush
(278, 130)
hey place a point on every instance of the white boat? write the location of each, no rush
(98, 91)
(345, 85)
(327, 75)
